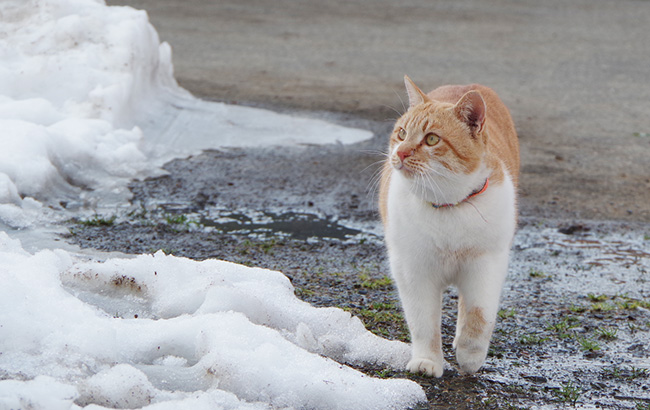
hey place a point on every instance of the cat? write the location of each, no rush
(448, 204)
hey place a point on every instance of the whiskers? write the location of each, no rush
(430, 180)
(404, 109)
(429, 183)
(398, 112)
(375, 179)
(477, 211)
(437, 182)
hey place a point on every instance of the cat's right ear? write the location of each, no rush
(471, 110)
(416, 96)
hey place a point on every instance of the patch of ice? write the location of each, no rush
(42, 392)
(612, 262)
(605, 259)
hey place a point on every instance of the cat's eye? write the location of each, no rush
(401, 134)
(431, 139)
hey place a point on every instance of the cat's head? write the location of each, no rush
(440, 146)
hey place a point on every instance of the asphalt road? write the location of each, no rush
(575, 76)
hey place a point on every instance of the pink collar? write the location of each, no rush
(470, 196)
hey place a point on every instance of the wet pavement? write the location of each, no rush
(572, 74)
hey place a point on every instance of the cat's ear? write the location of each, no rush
(470, 109)
(416, 96)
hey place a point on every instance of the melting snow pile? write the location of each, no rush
(87, 103)
(174, 333)
(76, 77)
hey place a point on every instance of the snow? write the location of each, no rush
(88, 102)
(132, 332)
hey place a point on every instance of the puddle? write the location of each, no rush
(296, 225)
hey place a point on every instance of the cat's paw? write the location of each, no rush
(425, 366)
(470, 360)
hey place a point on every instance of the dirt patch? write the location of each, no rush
(126, 282)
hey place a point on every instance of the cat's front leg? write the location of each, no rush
(422, 304)
(426, 357)
(423, 315)
(479, 286)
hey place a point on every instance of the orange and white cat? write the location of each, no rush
(448, 204)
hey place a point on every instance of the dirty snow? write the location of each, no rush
(156, 329)
(88, 102)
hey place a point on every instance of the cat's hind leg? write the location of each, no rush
(479, 286)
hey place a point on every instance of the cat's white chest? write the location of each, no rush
(485, 222)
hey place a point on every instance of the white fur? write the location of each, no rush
(429, 249)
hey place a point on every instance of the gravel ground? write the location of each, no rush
(575, 320)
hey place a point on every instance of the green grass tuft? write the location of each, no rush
(562, 327)
(607, 333)
(176, 219)
(504, 314)
(568, 393)
(98, 221)
(375, 283)
(532, 339)
(588, 345)
(536, 273)
(597, 298)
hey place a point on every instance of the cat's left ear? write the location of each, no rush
(471, 110)
(416, 96)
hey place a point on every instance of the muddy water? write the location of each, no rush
(297, 225)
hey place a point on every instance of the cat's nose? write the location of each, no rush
(404, 154)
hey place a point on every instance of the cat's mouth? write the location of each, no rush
(405, 168)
